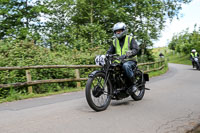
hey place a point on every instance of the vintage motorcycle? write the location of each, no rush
(111, 83)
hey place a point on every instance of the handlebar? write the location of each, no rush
(113, 57)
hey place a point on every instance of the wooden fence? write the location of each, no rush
(149, 67)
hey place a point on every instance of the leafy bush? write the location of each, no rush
(24, 53)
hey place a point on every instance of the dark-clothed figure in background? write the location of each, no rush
(126, 47)
(161, 55)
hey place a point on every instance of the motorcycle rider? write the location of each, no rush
(126, 47)
(193, 54)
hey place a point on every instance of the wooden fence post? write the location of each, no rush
(28, 77)
(148, 67)
(77, 73)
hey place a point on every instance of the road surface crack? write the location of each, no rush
(180, 124)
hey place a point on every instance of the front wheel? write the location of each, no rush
(140, 84)
(98, 95)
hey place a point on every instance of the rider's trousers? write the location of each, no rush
(128, 68)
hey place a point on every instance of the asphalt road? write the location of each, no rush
(171, 106)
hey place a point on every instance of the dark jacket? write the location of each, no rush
(134, 47)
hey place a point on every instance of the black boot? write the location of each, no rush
(193, 64)
(132, 89)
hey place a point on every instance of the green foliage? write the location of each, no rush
(24, 53)
(72, 32)
(179, 59)
(147, 57)
(85, 23)
(184, 42)
(157, 73)
(19, 18)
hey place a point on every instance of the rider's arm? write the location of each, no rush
(191, 57)
(134, 47)
(111, 50)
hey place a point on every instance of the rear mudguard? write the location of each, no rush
(92, 74)
(146, 77)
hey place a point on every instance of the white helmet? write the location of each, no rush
(193, 51)
(120, 26)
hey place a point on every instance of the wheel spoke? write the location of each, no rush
(102, 99)
(137, 92)
(99, 81)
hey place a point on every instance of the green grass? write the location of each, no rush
(160, 72)
(171, 56)
(18, 96)
(179, 59)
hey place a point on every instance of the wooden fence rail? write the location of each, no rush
(29, 82)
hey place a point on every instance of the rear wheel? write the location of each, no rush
(197, 65)
(140, 83)
(98, 95)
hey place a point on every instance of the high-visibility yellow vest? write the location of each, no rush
(122, 51)
(194, 55)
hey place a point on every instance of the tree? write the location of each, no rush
(145, 19)
(19, 18)
(184, 42)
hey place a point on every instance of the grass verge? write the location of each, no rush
(179, 59)
(18, 96)
(160, 72)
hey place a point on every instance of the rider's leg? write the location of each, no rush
(193, 63)
(128, 68)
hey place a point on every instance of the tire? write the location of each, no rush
(197, 66)
(140, 83)
(95, 93)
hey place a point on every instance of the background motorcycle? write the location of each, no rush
(111, 83)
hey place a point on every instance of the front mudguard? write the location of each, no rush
(92, 74)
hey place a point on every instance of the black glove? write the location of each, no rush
(122, 57)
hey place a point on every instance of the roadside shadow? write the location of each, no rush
(120, 103)
(193, 69)
(114, 103)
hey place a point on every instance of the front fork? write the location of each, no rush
(106, 80)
